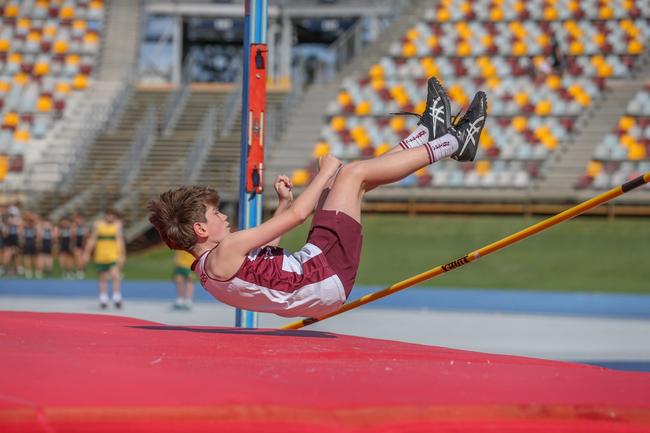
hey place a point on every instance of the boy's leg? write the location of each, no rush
(354, 179)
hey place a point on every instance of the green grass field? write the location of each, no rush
(585, 254)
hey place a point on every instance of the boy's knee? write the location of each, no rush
(353, 169)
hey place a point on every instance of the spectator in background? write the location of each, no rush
(80, 233)
(107, 241)
(183, 279)
(45, 240)
(28, 236)
(10, 240)
(557, 59)
(65, 255)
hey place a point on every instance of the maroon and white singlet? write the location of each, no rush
(311, 282)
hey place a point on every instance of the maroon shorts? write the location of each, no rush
(339, 237)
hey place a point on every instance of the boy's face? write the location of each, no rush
(217, 223)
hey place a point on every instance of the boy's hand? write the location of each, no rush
(329, 164)
(283, 187)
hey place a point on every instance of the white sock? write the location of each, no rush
(103, 298)
(417, 138)
(441, 147)
(117, 297)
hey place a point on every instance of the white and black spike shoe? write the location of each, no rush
(469, 127)
(437, 113)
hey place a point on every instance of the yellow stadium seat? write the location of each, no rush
(597, 60)
(91, 38)
(432, 41)
(24, 24)
(519, 123)
(519, 7)
(66, 13)
(381, 149)
(80, 82)
(626, 122)
(15, 58)
(376, 71)
(41, 68)
(550, 142)
(4, 86)
(50, 31)
(604, 70)
(573, 5)
(44, 104)
(21, 135)
(412, 34)
(496, 14)
(5, 45)
(409, 50)
(606, 13)
(543, 40)
(363, 108)
(464, 49)
(483, 167)
(542, 131)
(378, 84)
(4, 166)
(358, 131)
(636, 152)
(575, 89)
(96, 4)
(519, 48)
(487, 40)
(64, 87)
(80, 25)
(72, 59)
(521, 98)
(627, 141)
(11, 11)
(363, 142)
(594, 168)
(635, 47)
(544, 107)
(458, 95)
(628, 4)
(576, 48)
(60, 47)
(599, 39)
(420, 106)
(300, 177)
(443, 15)
(20, 79)
(344, 99)
(397, 123)
(337, 123)
(321, 149)
(34, 36)
(486, 141)
(493, 83)
(11, 119)
(553, 81)
(583, 99)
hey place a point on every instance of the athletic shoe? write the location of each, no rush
(103, 305)
(118, 304)
(469, 127)
(437, 114)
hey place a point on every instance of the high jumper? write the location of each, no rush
(246, 269)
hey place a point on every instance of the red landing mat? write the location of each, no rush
(97, 373)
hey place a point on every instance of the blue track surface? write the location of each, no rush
(499, 301)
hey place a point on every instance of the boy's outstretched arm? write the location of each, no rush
(246, 240)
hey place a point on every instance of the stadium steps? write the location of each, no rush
(564, 171)
(98, 174)
(305, 121)
(121, 41)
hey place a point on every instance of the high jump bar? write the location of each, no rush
(482, 252)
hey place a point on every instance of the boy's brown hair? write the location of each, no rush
(175, 211)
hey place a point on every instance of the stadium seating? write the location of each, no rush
(625, 152)
(47, 50)
(542, 64)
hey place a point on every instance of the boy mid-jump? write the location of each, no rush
(246, 268)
